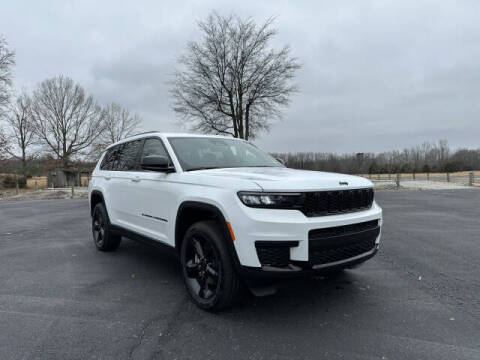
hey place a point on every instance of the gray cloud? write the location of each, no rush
(377, 75)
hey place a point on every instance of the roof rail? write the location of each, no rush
(142, 133)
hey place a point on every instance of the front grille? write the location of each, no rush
(321, 203)
(326, 256)
(341, 242)
(342, 230)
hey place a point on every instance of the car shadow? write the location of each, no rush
(303, 297)
(304, 294)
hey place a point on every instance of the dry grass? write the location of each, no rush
(464, 174)
(37, 182)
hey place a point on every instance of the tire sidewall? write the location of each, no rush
(100, 209)
(210, 234)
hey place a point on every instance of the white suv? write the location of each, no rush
(234, 214)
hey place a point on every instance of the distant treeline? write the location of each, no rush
(428, 157)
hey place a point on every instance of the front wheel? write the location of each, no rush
(208, 269)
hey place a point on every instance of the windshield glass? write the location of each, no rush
(197, 153)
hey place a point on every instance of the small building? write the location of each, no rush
(66, 177)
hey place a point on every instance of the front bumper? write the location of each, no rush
(291, 228)
(268, 273)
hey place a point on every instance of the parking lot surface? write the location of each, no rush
(419, 298)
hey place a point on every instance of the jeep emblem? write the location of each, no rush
(343, 183)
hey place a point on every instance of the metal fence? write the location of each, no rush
(465, 178)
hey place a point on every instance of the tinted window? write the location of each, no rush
(127, 156)
(208, 153)
(109, 159)
(154, 147)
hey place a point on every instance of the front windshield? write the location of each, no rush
(197, 153)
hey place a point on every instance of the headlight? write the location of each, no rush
(270, 200)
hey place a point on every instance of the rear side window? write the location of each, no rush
(127, 156)
(109, 159)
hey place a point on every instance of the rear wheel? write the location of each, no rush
(208, 269)
(103, 237)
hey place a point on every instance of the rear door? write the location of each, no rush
(107, 172)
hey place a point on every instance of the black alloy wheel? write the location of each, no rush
(202, 268)
(98, 228)
(103, 237)
(208, 271)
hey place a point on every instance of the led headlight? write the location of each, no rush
(270, 200)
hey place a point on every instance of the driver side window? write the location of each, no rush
(154, 147)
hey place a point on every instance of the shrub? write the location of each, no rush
(10, 181)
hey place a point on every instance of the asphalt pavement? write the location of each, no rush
(419, 298)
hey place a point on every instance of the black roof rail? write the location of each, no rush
(142, 133)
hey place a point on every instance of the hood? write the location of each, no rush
(285, 179)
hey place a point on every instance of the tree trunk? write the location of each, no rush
(232, 110)
(24, 167)
(247, 115)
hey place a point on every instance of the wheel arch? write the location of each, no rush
(96, 197)
(190, 212)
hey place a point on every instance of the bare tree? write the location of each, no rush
(119, 124)
(21, 131)
(3, 144)
(232, 82)
(7, 60)
(66, 120)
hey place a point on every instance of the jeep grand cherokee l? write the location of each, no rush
(233, 214)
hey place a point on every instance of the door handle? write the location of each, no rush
(136, 179)
(107, 177)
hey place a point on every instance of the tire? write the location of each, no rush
(103, 237)
(208, 269)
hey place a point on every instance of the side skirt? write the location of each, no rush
(143, 239)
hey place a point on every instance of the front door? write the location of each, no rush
(156, 195)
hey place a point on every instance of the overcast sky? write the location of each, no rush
(377, 75)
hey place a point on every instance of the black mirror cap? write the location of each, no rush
(156, 163)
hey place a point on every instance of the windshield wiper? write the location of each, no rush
(228, 167)
(204, 168)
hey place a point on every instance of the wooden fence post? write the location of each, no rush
(448, 177)
(73, 189)
(471, 179)
(397, 180)
(428, 176)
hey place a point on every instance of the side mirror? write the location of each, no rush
(156, 163)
